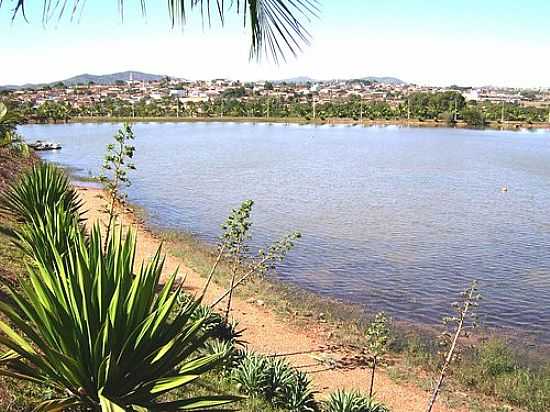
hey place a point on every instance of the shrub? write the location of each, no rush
(99, 334)
(474, 117)
(217, 326)
(352, 401)
(495, 369)
(276, 381)
(39, 191)
(378, 334)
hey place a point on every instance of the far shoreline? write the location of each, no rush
(506, 126)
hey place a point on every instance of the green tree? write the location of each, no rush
(473, 116)
(234, 93)
(9, 120)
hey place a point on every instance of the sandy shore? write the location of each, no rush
(267, 333)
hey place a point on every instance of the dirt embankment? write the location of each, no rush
(11, 166)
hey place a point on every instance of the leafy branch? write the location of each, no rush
(233, 248)
(114, 173)
(265, 261)
(276, 25)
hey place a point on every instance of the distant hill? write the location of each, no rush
(384, 80)
(97, 79)
(297, 80)
(113, 78)
(376, 79)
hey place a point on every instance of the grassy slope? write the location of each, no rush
(14, 396)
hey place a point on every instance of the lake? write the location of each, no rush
(396, 219)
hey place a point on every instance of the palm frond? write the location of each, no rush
(276, 26)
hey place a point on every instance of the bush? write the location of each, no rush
(494, 369)
(352, 401)
(447, 117)
(473, 117)
(38, 192)
(217, 326)
(90, 327)
(276, 381)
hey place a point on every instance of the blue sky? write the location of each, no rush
(428, 42)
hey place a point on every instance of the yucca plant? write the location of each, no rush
(232, 355)
(43, 237)
(250, 375)
(38, 191)
(299, 396)
(276, 381)
(352, 401)
(218, 326)
(92, 328)
(296, 394)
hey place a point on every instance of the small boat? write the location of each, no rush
(39, 145)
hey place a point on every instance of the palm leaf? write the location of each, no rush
(276, 26)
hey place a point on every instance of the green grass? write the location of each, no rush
(497, 370)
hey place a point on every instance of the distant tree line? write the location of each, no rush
(446, 107)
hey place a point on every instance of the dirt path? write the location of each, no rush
(266, 333)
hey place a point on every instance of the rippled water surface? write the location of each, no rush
(393, 218)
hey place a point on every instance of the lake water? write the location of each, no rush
(396, 219)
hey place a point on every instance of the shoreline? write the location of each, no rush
(337, 309)
(306, 339)
(315, 330)
(506, 126)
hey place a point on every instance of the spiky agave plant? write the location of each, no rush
(275, 380)
(41, 189)
(352, 401)
(93, 329)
